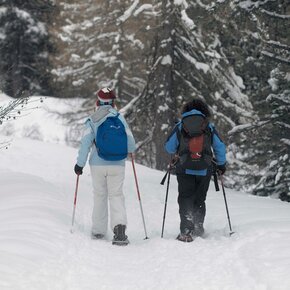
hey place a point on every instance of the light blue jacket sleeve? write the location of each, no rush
(172, 142)
(130, 137)
(86, 143)
(219, 148)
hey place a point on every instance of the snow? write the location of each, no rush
(129, 11)
(37, 250)
(273, 14)
(78, 82)
(181, 2)
(248, 4)
(199, 65)
(187, 20)
(278, 175)
(162, 108)
(273, 163)
(166, 60)
(286, 141)
(234, 90)
(36, 27)
(142, 8)
(239, 81)
(40, 121)
(273, 83)
(164, 127)
(246, 127)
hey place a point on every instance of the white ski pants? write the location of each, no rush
(108, 185)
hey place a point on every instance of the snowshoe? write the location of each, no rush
(186, 238)
(120, 238)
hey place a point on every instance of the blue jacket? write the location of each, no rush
(219, 148)
(89, 135)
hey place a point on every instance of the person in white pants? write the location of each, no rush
(108, 184)
(107, 175)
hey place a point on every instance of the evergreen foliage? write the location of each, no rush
(157, 55)
(264, 146)
(25, 46)
(106, 45)
(187, 61)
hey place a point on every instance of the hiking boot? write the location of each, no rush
(185, 236)
(120, 237)
(198, 230)
(97, 236)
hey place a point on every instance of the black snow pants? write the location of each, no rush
(192, 191)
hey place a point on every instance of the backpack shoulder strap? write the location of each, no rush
(212, 130)
(100, 114)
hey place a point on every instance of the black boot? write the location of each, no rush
(120, 237)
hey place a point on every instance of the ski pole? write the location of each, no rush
(166, 198)
(164, 178)
(227, 209)
(75, 202)
(171, 165)
(216, 181)
(215, 174)
(139, 196)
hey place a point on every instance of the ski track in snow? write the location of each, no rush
(38, 252)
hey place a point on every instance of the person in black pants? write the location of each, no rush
(192, 141)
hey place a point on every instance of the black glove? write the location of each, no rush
(78, 170)
(221, 169)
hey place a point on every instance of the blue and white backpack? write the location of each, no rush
(111, 139)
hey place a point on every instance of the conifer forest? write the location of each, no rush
(157, 55)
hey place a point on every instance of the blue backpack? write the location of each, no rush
(111, 141)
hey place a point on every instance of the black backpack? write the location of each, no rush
(195, 140)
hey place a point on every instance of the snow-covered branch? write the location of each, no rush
(126, 111)
(129, 11)
(249, 4)
(278, 44)
(247, 127)
(277, 15)
(275, 57)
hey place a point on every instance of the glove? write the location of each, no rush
(78, 170)
(221, 169)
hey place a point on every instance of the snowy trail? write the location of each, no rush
(38, 252)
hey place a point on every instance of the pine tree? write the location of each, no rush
(265, 144)
(276, 178)
(185, 64)
(105, 41)
(78, 60)
(24, 46)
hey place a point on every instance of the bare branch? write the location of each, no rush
(14, 108)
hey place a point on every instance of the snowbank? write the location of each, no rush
(42, 121)
(37, 250)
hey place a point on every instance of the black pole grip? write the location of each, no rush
(216, 184)
(164, 178)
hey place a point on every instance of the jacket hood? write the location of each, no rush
(192, 112)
